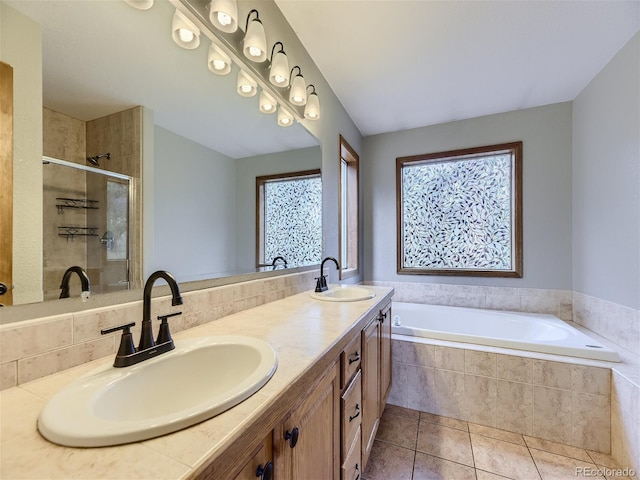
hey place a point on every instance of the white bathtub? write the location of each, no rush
(521, 331)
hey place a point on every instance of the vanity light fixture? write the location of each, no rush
(312, 108)
(224, 15)
(247, 86)
(298, 92)
(279, 69)
(285, 119)
(267, 102)
(140, 4)
(254, 45)
(184, 32)
(218, 61)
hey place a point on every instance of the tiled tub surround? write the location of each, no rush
(34, 348)
(307, 335)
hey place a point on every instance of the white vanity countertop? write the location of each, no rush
(304, 332)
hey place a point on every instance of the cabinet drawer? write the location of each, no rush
(352, 466)
(351, 413)
(350, 359)
(262, 459)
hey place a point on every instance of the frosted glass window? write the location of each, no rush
(117, 220)
(460, 212)
(290, 213)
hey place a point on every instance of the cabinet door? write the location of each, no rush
(261, 464)
(370, 387)
(309, 446)
(385, 355)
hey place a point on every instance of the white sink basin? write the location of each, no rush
(344, 293)
(198, 380)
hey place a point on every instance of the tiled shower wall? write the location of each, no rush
(34, 348)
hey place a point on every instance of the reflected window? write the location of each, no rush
(348, 212)
(289, 218)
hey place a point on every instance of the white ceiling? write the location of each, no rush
(397, 64)
(394, 64)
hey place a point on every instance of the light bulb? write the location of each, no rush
(268, 107)
(219, 64)
(245, 88)
(312, 115)
(224, 18)
(185, 35)
(255, 51)
(279, 79)
(297, 99)
(285, 121)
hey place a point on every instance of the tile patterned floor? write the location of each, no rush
(413, 445)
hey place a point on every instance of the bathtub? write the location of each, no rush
(520, 331)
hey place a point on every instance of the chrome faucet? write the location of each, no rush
(147, 347)
(84, 280)
(321, 284)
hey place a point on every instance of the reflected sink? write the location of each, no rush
(343, 293)
(198, 380)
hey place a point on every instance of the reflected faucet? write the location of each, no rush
(146, 337)
(321, 285)
(84, 280)
(275, 260)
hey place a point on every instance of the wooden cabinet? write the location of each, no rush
(307, 443)
(370, 386)
(376, 376)
(260, 466)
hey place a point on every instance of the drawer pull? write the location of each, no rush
(354, 358)
(353, 417)
(292, 436)
(382, 317)
(357, 472)
(266, 472)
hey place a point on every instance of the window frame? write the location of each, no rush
(260, 184)
(515, 148)
(348, 154)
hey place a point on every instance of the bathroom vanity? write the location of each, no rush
(315, 418)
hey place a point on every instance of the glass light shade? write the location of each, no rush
(298, 92)
(312, 108)
(279, 71)
(247, 86)
(184, 32)
(224, 15)
(218, 61)
(140, 4)
(285, 119)
(254, 45)
(267, 103)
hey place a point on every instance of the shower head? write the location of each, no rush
(94, 160)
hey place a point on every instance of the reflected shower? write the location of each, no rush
(94, 160)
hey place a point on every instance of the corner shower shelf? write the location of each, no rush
(71, 232)
(76, 203)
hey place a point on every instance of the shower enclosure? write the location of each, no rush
(85, 223)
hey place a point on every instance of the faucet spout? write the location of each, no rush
(275, 261)
(146, 337)
(321, 285)
(84, 281)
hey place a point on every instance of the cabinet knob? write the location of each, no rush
(353, 417)
(354, 358)
(266, 472)
(383, 316)
(292, 436)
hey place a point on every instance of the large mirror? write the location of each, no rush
(202, 145)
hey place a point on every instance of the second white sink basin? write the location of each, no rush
(344, 293)
(198, 380)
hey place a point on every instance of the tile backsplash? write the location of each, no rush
(34, 348)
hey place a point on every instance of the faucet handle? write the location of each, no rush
(126, 341)
(164, 335)
(321, 284)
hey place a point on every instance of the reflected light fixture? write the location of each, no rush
(140, 4)
(255, 41)
(285, 119)
(298, 92)
(224, 15)
(247, 86)
(312, 108)
(279, 70)
(218, 61)
(267, 102)
(184, 32)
